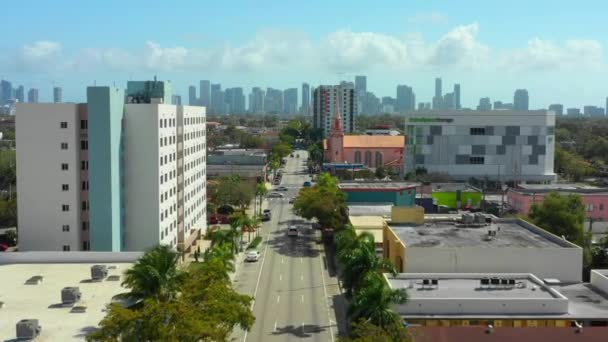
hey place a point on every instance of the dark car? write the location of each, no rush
(266, 215)
(3, 247)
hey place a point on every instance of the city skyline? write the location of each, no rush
(405, 44)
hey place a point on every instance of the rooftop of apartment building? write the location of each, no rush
(560, 187)
(480, 334)
(450, 231)
(370, 209)
(24, 298)
(377, 186)
(232, 150)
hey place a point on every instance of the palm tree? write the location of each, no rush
(256, 221)
(373, 302)
(155, 275)
(221, 253)
(261, 190)
(357, 254)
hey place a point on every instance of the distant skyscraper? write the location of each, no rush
(438, 98)
(406, 100)
(205, 93)
(457, 96)
(217, 104)
(557, 108)
(521, 100)
(327, 99)
(273, 101)
(305, 99)
(57, 95)
(176, 100)
(593, 111)
(256, 100)
(484, 104)
(360, 84)
(192, 96)
(573, 111)
(449, 101)
(32, 95)
(6, 91)
(499, 105)
(20, 94)
(234, 100)
(290, 101)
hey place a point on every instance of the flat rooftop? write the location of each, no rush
(453, 187)
(377, 186)
(370, 209)
(467, 287)
(43, 301)
(450, 234)
(560, 187)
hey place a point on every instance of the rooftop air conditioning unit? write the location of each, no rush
(480, 218)
(70, 295)
(99, 272)
(468, 218)
(28, 329)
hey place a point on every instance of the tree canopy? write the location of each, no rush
(324, 201)
(233, 190)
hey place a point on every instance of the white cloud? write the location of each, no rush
(544, 55)
(344, 50)
(428, 18)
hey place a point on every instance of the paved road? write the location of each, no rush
(290, 282)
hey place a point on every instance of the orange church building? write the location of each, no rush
(370, 150)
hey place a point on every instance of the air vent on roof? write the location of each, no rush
(113, 278)
(79, 309)
(28, 329)
(35, 280)
(99, 272)
(70, 295)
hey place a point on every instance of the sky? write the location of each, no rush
(553, 48)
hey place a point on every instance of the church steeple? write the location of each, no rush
(336, 137)
(337, 130)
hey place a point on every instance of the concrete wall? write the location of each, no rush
(401, 198)
(408, 214)
(40, 177)
(599, 279)
(564, 264)
(393, 248)
(67, 257)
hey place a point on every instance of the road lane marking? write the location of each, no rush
(281, 260)
(331, 331)
(301, 261)
(301, 277)
(302, 299)
(280, 277)
(275, 326)
(302, 327)
(278, 299)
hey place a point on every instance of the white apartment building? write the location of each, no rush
(327, 99)
(147, 172)
(51, 183)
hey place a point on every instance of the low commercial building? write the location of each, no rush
(32, 284)
(503, 145)
(451, 196)
(373, 225)
(249, 164)
(397, 193)
(498, 299)
(479, 243)
(595, 199)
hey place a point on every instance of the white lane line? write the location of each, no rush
(301, 261)
(278, 299)
(302, 327)
(257, 285)
(331, 331)
(275, 326)
(301, 277)
(280, 277)
(302, 299)
(281, 260)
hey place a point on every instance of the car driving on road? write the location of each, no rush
(281, 188)
(275, 195)
(292, 231)
(252, 255)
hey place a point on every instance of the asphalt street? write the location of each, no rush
(290, 283)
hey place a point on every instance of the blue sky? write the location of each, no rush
(555, 49)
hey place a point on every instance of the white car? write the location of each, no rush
(252, 255)
(275, 195)
(281, 188)
(292, 231)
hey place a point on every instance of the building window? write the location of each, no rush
(65, 187)
(66, 248)
(65, 228)
(65, 207)
(379, 159)
(476, 160)
(601, 206)
(84, 205)
(84, 124)
(84, 165)
(63, 124)
(368, 158)
(357, 156)
(84, 144)
(85, 226)
(64, 146)
(478, 131)
(86, 245)
(64, 166)
(590, 207)
(85, 185)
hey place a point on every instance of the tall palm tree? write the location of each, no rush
(373, 302)
(155, 275)
(261, 190)
(221, 253)
(256, 221)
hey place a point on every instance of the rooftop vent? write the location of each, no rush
(28, 329)
(70, 295)
(35, 280)
(99, 272)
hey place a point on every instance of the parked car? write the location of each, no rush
(282, 188)
(252, 255)
(292, 231)
(3, 247)
(266, 215)
(275, 195)
(291, 200)
(219, 219)
(307, 184)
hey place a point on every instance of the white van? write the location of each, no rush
(292, 231)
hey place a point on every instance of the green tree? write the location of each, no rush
(251, 141)
(234, 191)
(324, 202)
(221, 253)
(380, 172)
(155, 275)
(260, 190)
(373, 302)
(281, 150)
(563, 215)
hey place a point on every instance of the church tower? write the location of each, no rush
(336, 139)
